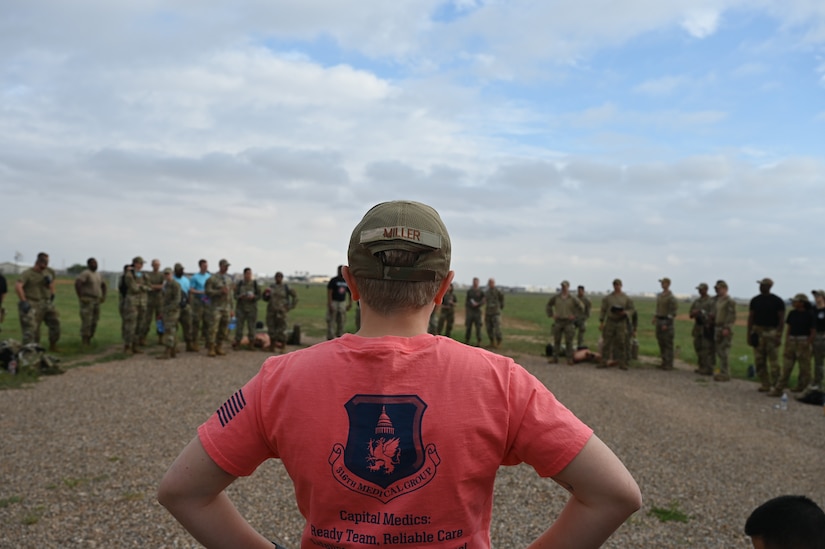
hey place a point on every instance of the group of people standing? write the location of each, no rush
(804, 334)
(481, 306)
(491, 301)
(203, 304)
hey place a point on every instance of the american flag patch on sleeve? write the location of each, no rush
(231, 408)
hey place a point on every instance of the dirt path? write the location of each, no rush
(83, 452)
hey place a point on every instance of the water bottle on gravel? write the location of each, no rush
(783, 402)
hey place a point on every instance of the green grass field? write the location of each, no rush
(526, 327)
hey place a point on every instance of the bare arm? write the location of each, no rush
(193, 491)
(18, 289)
(602, 496)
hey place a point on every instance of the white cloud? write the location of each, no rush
(701, 23)
(665, 85)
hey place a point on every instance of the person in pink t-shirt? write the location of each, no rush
(393, 436)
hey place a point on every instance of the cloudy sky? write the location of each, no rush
(578, 140)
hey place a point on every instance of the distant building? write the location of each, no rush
(9, 267)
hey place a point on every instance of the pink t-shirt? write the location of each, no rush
(393, 441)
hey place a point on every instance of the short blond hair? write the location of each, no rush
(391, 296)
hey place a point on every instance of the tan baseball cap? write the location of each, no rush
(800, 297)
(666, 280)
(765, 281)
(721, 284)
(702, 286)
(137, 259)
(167, 270)
(223, 263)
(617, 281)
(400, 225)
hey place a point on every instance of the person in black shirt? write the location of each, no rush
(4, 288)
(767, 312)
(799, 335)
(339, 301)
(819, 338)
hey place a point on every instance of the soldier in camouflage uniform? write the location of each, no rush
(702, 311)
(666, 309)
(494, 301)
(171, 297)
(724, 317)
(154, 302)
(219, 290)
(581, 317)
(35, 289)
(281, 299)
(90, 288)
(616, 310)
(134, 306)
(247, 294)
(472, 312)
(446, 313)
(563, 308)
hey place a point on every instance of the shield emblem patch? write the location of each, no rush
(384, 456)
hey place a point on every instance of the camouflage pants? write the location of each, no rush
(615, 345)
(89, 316)
(819, 357)
(185, 321)
(581, 328)
(703, 346)
(40, 312)
(446, 319)
(132, 314)
(797, 350)
(767, 351)
(493, 324)
(218, 325)
(473, 318)
(336, 317)
(246, 316)
(664, 337)
(154, 311)
(566, 328)
(170, 327)
(276, 325)
(200, 319)
(722, 345)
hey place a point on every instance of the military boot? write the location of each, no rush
(219, 350)
(85, 341)
(135, 349)
(53, 348)
(173, 351)
(160, 339)
(195, 347)
(211, 350)
(167, 354)
(127, 348)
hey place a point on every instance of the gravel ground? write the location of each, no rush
(81, 454)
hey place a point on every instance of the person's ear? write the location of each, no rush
(353, 289)
(444, 287)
